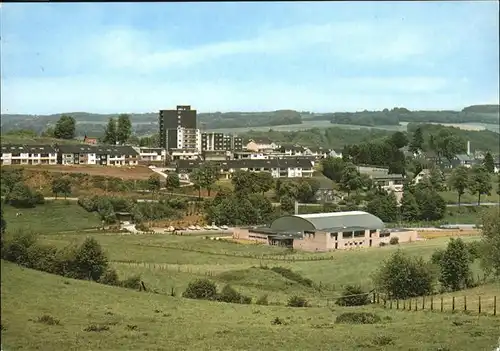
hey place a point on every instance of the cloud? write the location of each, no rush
(349, 41)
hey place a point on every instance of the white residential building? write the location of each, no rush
(28, 155)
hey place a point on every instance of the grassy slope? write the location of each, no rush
(173, 323)
(51, 217)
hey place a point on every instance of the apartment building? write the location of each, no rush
(149, 154)
(211, 141)
(16, 154)
(106, 155)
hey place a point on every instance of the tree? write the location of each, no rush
(287, 204)
(479, 182)
(447, 145)
(399, 140)
(305, 192)
(402, 276)
(154, 183)
(172, 181)
(61, 186)
(490, 241)
(123, 129)
(431, 205)
(417, 141)
(332, 168)
(11, 177)
(245, 182)
(65, 127)
(436, 179)
(3, 227)
(489, 163)
(384, 206)
(350, 179)
(455, 273)
(290, 189)
(409, 207)
(459, 180)
(264, 181)
(110, 134)
(498, 184)
(21, 196)
(90, 260)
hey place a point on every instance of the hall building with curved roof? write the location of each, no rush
(326, 231)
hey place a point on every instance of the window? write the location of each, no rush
(359, 233)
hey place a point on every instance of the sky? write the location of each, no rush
(235, 56)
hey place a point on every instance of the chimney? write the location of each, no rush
(468, 147)
(296, 207)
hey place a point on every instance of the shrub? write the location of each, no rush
(21, 196)
(141, 227)
(48, 319)
(437, 256)
(297, 301)
(90, 260)
(394, 240)
(289, 274)
(110, 277)
(16, 249)
(96, 328)
(277, 321)
(357, 318)
(383, 340)
(403, 276)
(88, 203)
(262, 301)
(42, 258)
(133, 282)
(353, 295)
(203, 289)
(228, 294)
(455, 273)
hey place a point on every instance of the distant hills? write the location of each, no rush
(146, 123)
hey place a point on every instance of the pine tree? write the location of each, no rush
(110, 135)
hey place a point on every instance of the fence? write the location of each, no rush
(442, 303)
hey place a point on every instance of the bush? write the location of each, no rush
(133, 282)
(357, 318)
(110, 277)
(16, 249)
(90, 260)
(297, 301)
(403, 276)
(289, 274)
(262, 301)
(394, 240)
(202, 289)
(455, 272)
(228, 294)
(48, 319)
(353, 295)
(88, 203)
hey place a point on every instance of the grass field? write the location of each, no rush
(144, 321)
(166, 263)
(51, 217)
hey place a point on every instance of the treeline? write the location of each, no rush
(249, 119)
(472, 114)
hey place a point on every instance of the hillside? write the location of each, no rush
(143, 321)
(147, 123)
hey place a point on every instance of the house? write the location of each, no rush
(152, 154)
(250, 155)
(292, 150)
(320, 152)
(321, 232)
(89, 141)
(16, 154)
(382, 178)
(106, 155)
(216, 155)
(463, 160)
(279, 168)
(185, 154)
(496, 162)
(261, 144)
(425, 173)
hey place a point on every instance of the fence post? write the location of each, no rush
(385, 302)
(409, 305)
(404, 304)
(390, 304)
(441, 304)
(423, 302)
(453, 303)
(479, 305)
(378, 298)
(465, 302)
(494, 305)
(374, 300)
(416, 303)
(432, 303)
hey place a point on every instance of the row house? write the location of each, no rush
(13, 154)
(151, 154)
(262, 144)
(106, 155)
(279, 168)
